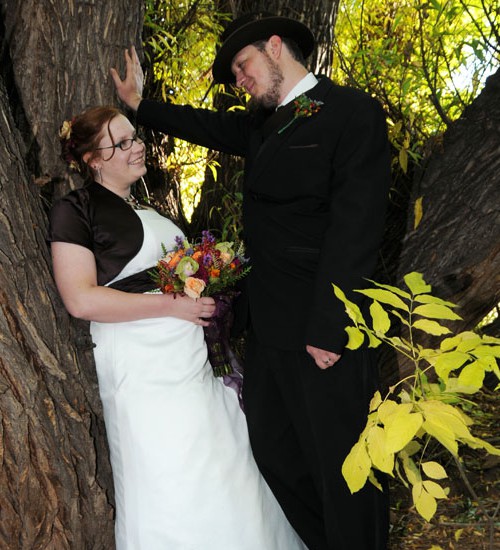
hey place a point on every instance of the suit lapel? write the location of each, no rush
(271, 137)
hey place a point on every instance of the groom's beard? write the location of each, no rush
(270, 98)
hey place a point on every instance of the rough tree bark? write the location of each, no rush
(55, 479)
(457, 244)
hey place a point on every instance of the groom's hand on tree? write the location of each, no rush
(130, 89)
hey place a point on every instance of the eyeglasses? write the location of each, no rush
(124, 144)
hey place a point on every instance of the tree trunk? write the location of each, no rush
(55, 479)
(457, 244)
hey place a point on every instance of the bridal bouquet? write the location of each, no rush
(207, 268)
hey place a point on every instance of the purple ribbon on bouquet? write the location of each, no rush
(224, 362)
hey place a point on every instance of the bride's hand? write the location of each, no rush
(196, 311)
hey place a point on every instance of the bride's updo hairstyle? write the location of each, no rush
(82, 135)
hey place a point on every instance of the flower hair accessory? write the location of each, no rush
(67, 145)
(65, 130)
(303, 107)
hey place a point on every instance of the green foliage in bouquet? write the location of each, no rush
(416, 410)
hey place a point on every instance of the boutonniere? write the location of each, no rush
(303, 107)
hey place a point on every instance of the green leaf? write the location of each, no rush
(436, 311)
(415, 282)
(356, 467)
(424, 502)
(381, 321)
(402, 430)
(384, 296)
(434, 470)
(431, 327)
(355, 338)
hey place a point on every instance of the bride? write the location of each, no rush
(183, 471)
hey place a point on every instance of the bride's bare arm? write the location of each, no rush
(76, 279)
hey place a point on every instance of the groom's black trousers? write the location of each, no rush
(302, 422)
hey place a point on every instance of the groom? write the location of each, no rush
(315, 191)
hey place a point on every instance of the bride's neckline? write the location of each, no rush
(133, 202)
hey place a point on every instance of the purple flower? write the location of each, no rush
(207, 237)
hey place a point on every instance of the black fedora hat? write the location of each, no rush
(250, 28)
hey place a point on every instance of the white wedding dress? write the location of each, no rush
(183, 471)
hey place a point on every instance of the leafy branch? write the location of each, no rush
(417, 409)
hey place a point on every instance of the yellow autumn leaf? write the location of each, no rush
(380, 318)
(376, 445)
(442, 433)
(355, 338)
(452, 386)
(356, 467)
(373, 341)
(448, 362)
(390, 408)
(487, 351)
(402, 430)
(472, 375)
(376, 400)
(436, 311)
(446, 415)
(477, 443)
(418, 211)
(410, 469)
(384, 296)
(454, 341)
(351, 308)
(431, 327)
(415, 282)
(430, 299)
(434, 489)
(374, 481)
(424, 502)
(412, 448)
(434, 470)
(403, 159)
(393, 289)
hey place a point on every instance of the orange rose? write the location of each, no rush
(214, 273)
(173, 258)
(193, 287)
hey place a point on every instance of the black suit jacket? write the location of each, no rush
(313, 209)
